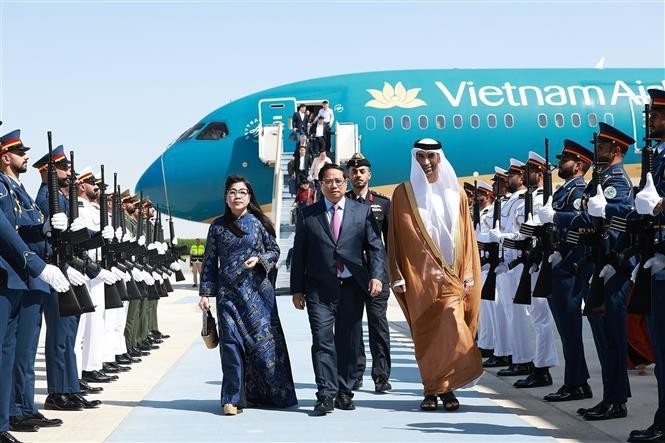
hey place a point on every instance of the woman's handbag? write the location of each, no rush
(209, 330)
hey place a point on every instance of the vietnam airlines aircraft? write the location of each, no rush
(482, 117)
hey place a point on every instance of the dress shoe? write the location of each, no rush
(113, 377)
(61, 402)
(145, 346)
(38, 419)
(154, 340)
(114, 367)
(231, 409)
(382, 385)
(607, 412)
(486, 353)
(582, 411)
(160, 335)
(652, 433)
(16, 424)
(344, 401)
(123, 360)
(516, 369)
(324, 405)
(6, 437)
(108, 369)
(358, 384)
(95, 377)
(132, 359)
(569, 393)
(136, 353)
(86, 404)
(87, 389)
(539, 377)
(496, 362)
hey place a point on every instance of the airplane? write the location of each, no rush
(482, 117)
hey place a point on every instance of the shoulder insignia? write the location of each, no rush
(617, 171)
(539, 192)
(610, 192)
(577, 204)
(378, 194)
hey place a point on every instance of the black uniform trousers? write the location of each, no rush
(10, 309)
(566, 306)
(61, 371)
(611, 339)
(656, 324)
(379, 336)
(27, 338)
(336, 334)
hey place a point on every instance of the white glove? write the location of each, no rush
(58, 221)
(147, 278)
(175, 266)
(141, 240)
(77, 224)
(596, 204)
(127, 277)
(118, 233)
(647, 199)
(174, 241)
(546, 213)
(152, 246)
(118, 273)
(107, 232)
(533, 268)
(75, 277)
(127, 237)
(137, 275)
(607, 272)
(633, 275)
(501, 268)
(495, 234)
(656, 263)
(55, 278)
(161, 248)
(165, 276)
(107, 277)
(531, 221)
(156, 276)
(555, 258)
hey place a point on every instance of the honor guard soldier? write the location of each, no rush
(62, 375)
(567, 287)
(612, 196)
(27, 281)
(650, 202)
(379, 332)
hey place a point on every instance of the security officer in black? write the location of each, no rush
(613, 196)
(567, 287)
(379, 332)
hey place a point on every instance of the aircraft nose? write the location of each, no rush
(152, 182)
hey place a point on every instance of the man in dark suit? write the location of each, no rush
(299, 120)
(320, 136)
(338, 259)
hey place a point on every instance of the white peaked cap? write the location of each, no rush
(484, 185)
(499, 170)
(535, 157)
(516, 163)
(84, 173)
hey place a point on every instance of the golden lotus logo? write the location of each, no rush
(391, 97)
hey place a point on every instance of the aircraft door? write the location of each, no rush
(274, 112)
(347, 141)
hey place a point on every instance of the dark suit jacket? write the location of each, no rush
(299, 124)
(313, 266)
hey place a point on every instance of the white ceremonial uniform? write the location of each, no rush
(89, 345)
(486, 321)
(512, 319)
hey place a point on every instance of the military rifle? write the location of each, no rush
(488, 291)
(175, 250)
(527, 257)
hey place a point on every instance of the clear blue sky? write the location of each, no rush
(118, 81)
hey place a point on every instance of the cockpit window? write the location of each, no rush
(190, 132)
(214, 131)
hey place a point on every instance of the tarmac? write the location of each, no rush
(174, 396)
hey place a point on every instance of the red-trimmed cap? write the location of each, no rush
(576, 150)
(12, 142)
(612, 134)
(657, 98)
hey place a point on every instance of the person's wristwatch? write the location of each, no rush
(469, 282)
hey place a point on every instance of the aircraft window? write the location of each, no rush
(457, 121)
(422, 122)
(190, 132)
(609, 118)
(370, 123)
(558, 120)
(508, 120)
(491, 121)
(542, 120)
(440, 121)
(475, 121)
(406, 122)
(214, 131)
(593, 120)
(388, 122)
(576, 120)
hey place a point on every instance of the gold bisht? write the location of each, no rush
(443, 323)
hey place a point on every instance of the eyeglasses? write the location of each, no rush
(239, 193)
(333, 181)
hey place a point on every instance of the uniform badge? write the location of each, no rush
(610, 192)
(577, 204)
